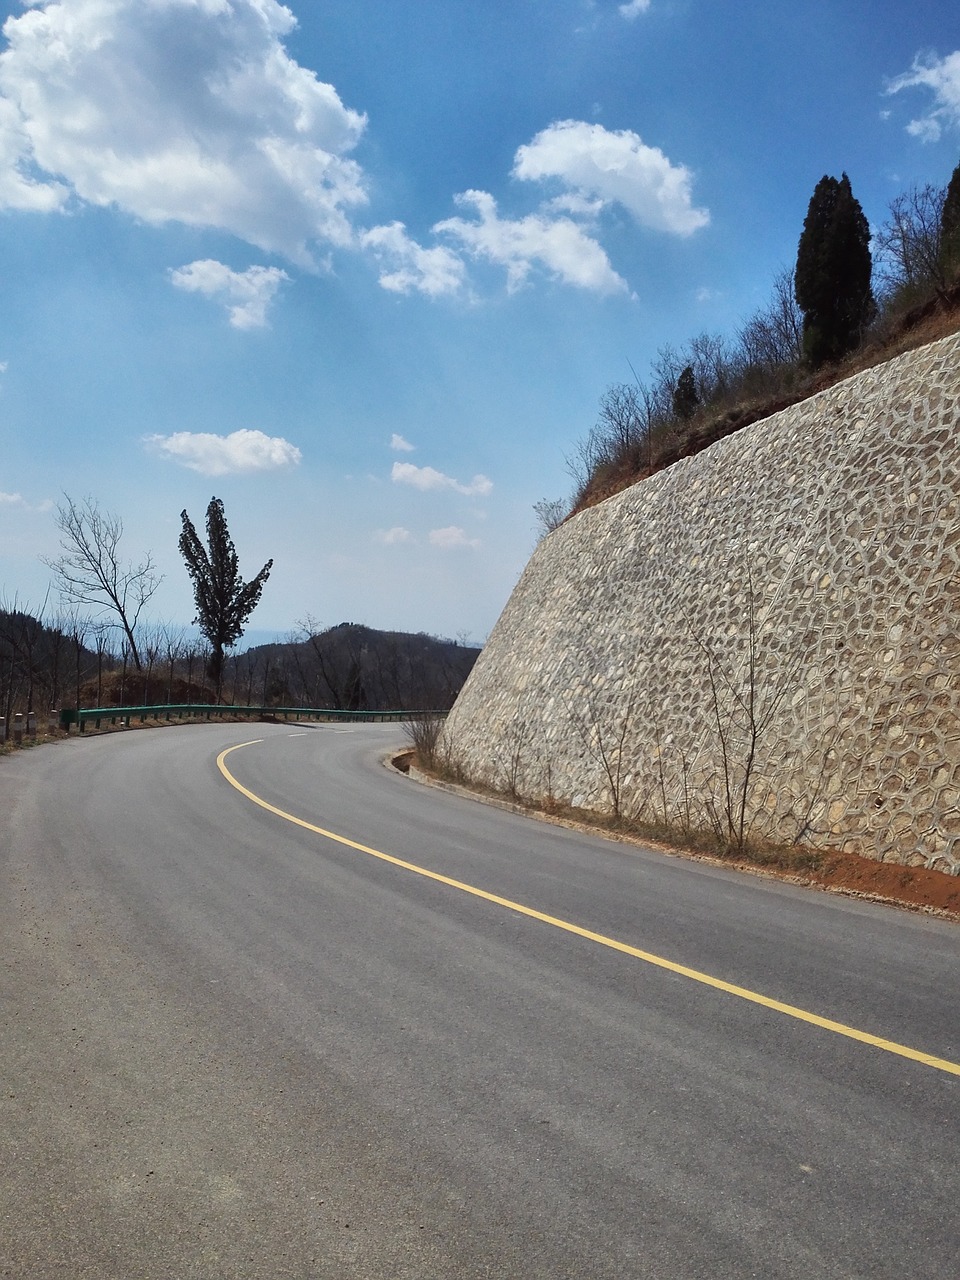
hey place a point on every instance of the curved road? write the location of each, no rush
(233, 1046)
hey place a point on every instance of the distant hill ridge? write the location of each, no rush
(349, 666)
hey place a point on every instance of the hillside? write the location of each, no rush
(630, 455)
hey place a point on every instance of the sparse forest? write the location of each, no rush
(854, 297)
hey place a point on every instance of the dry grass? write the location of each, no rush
(42, 739)
(787, 858)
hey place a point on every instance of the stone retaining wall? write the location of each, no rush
(767, 629)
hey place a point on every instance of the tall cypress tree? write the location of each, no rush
(950, 229)
(685, 395)
(832, 280)
(224, 601)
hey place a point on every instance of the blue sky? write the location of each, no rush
(363, 268)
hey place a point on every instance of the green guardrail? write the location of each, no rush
(99, 716)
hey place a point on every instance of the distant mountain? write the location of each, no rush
(352, 667)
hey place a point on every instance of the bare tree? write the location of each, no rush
(743, 705)
(173, 641)
(773, 336)
(152, 646)
(665, 371)
(621, 435)
(623, 417)
(338, 653)
(76, 627)
(105, 657)
(91, 572)
(710, 357)
(908, 244)
(20, 644)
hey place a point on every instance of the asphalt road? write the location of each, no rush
(235, 1047)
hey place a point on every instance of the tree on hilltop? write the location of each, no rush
(224, 601)
(950, 228)
(832, 278)
(908, 247)
(686, 398)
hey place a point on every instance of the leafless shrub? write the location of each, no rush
(510, 758)
(605, 738)
(742, 708)
(550, 513)
(423, 734)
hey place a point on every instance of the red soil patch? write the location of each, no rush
(906, 886)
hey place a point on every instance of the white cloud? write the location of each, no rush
(19, 501)
(614, 167)
(19, 187)
(399, 445)
(573, 203)
(214, 455)
(942, 77)
(427, 478)
(245, 294)
(435, 271)
(177, 110)
(634, 8)
(597, 168)
(558, 244)
(451, 537)
(394, 537)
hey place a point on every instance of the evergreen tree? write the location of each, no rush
(685, 397)
(224, 601)
(950, 229)
(832, 279)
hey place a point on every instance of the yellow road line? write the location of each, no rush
(695, 975)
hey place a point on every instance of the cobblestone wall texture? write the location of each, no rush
(768, 628)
